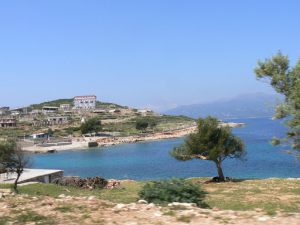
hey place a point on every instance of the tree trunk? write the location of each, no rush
(16, 182)
(220, 171)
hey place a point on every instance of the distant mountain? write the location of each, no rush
(242, 106)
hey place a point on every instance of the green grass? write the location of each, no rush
(127, 194)
(65, 208)
(30, 216)
(270, 195)
(185, 219)
(4, 220)
(164, 123)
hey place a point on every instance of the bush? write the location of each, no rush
(93, 125)
(174, 190)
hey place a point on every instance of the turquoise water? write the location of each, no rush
(151, 160)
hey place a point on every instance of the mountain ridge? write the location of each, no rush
(242, 106)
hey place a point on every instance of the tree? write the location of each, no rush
(19, 161)
(50, 132)
(286, 81)
(211, 142)
(6, 153)
(141, 124)
(13, 159)
(92, 125)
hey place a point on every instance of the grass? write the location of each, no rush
(164, 123)
(184, 219)
(127, 194)
(30, 216)
(270, 195)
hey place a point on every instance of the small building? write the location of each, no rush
(19, 111)
(40, 136)
(85, 102)
(33, 175)
(50, 109)
(65, 107)
(36, 112)
(56, 120)
(8, 122)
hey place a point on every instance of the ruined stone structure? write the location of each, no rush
(8, 122)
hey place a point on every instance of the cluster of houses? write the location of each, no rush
(50, 115)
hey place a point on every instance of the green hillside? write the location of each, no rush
(58, 102)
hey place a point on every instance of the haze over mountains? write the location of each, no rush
(242, 106)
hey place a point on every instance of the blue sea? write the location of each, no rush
(151, 160)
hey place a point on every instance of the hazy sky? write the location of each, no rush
(140, 53)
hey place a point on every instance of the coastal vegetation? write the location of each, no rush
(114, 118)
(270, 196)
(13, 159)
(92, 125)
(211, 142)
(285, 80)
(173, 190)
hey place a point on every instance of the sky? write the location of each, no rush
(141, 53)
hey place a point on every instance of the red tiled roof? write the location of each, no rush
(85, 97)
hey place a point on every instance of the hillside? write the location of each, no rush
(58, 102)
(271, 201)
(243, 106)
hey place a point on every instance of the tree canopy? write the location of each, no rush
(211, 142)
(92, 125)
(285, 80)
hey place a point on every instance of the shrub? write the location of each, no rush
(93, 125)
(174, 190)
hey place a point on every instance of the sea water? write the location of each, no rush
(151, 160)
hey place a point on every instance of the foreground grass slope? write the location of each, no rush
(270, 195)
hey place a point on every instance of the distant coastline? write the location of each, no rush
(82, 143)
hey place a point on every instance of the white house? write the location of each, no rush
(85, 102)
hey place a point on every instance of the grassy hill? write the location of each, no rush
(273, 201)
(58, 102)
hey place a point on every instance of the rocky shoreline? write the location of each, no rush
(83, 143)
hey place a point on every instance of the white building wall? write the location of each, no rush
(85, 102)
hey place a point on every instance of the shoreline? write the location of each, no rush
(82, 143)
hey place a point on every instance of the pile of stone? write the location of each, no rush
(5, 192)
(113, 184)
(84, 183)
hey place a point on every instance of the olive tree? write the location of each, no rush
(92, 125)
(285, 80)
(14, 159)
(211, 142)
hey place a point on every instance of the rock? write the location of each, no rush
(119, 207)
(112, 184)
(186, 205)
(263, 219)
(150, 206)
(1, 195)
(158, 214)
(258, 210)
(132, 206)
(142, 202)
(215, 209)
(91, 198)
(5, 191)
(62, 196)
